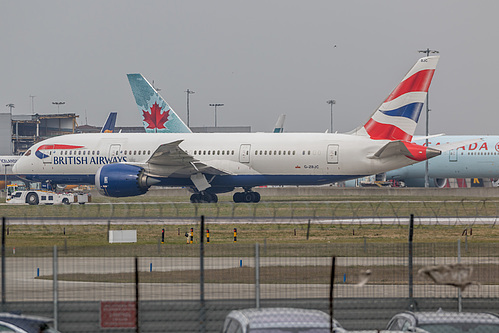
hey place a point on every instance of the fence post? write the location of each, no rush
(3, 261)
(202, 310)
(137, 329)
(331, 293)
(459, 298)
(257, 275)
(411, 233)
(55, 270)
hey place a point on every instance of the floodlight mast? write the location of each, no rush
(216, 105)
(188, 92)
(331, 102)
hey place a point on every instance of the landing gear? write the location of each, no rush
(246, 196)
(204, 197)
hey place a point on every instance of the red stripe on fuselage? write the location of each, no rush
(57, 146)
(378, 131)
(420, 81)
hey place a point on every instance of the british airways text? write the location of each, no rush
(77, 160)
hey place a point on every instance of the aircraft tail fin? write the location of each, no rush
(110, 123)
(398, 115)
(157, 115)
(279, 125)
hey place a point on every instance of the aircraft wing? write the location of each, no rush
(171, 160)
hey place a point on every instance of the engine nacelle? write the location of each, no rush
(419, 182)
(122, 180)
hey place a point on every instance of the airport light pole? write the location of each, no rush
(58, 105)
(10, 106)
(188, 92)
(426, 172)
(216, 105)
(331, 102)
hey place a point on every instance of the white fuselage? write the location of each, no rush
(285, 158)
(473, 160)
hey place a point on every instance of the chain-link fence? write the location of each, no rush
(191, 287)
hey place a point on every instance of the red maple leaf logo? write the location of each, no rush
(156, 119)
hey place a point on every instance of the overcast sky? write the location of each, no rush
(259, 58)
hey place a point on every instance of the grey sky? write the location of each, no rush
(259, 58)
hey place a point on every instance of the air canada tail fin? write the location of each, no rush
(398, 115)
(157, 115)
(110, 123)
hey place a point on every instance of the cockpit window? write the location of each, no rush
(27, 153)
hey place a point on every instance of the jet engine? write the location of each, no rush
(122, 180)
(419, 182)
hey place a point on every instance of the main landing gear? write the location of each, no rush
(204, 197)
(246, 196)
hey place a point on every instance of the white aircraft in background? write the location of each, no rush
(209, 163)
(479, 159)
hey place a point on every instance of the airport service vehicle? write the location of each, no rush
(129, 164)
(25, 324)
(279, 320)
(443, 321)
(35, 197)
(477, 159)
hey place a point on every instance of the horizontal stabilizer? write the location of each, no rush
(408, 149)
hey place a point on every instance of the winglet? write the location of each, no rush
(398, 115)
(157, 115)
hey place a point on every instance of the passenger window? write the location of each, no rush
(139, 152)
(44, 197)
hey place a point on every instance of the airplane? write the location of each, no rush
(6, 174)
(279, 125)
(122, 165)
(479, 159)
(110, 123)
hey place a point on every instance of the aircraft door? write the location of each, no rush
(453, 155)
(332, 154)
(244, 153)
(114, 151)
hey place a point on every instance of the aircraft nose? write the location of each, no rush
(14, 167)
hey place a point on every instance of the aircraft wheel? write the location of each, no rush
(65, 201)
(195, 198)
(256, 197)
(214, 198)
(32, 198)
(237, 197)
(248, 196)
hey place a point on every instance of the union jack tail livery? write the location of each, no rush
(397, 117)
(157, 115)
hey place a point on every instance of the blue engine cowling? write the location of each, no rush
(121, 180)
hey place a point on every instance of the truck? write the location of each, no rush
(35, 197)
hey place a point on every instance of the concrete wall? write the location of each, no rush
(331, 191)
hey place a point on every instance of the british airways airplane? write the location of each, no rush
(123, 165)
(479, 159)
